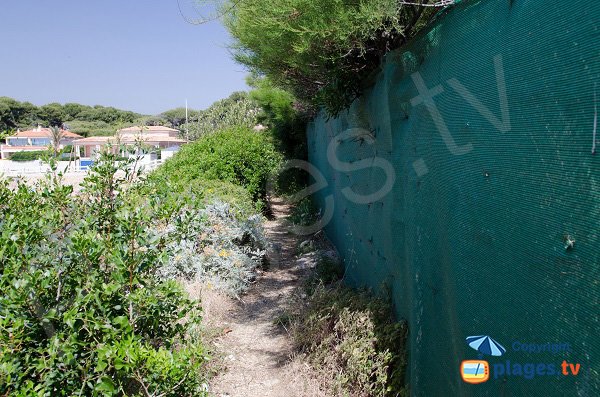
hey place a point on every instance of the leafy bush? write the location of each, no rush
(170, 196)
(28, 155)
(89, 305)
(320, 50)
(238, 110)
(82, 311)
(239, 156)
(279, 113)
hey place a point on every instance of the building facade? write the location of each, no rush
(157, 139)
(37, 139)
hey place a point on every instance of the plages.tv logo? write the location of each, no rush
(479, 371)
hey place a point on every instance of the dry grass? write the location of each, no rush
(347, 336)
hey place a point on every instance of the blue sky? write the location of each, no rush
(131, 54)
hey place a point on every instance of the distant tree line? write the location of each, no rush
(23, 115)
(236, 110)
(264, 104)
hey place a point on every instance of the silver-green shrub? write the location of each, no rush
(215, 246)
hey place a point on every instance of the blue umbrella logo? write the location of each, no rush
(486, 345)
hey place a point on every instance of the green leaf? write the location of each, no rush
(105, 386)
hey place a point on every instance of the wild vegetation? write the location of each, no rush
(238, 110)
(279, 112)
(91, 301)
(239, 156)
(81, 310)
(348, 336)
(322, 50)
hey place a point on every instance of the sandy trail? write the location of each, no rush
(257, 352)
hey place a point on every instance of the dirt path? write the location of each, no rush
(257, 352)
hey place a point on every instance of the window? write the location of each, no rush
(18, 142)
(40, 141)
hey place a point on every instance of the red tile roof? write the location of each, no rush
(42, 133)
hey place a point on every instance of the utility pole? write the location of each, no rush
(187, 130)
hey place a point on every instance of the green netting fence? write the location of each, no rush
(487, 126)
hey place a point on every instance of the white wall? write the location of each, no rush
(9, 167)
(168, 152)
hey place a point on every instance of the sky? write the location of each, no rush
(138, 55)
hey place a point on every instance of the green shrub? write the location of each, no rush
(240, 156)
(214, 231)
(173, 193)
(82, 311)
(238, 110)
(88, 304)
(28, 155)
(321, 50)
(279, 113)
